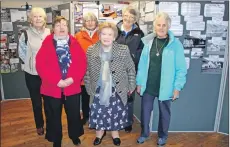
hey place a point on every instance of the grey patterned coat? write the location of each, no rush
(121, 67)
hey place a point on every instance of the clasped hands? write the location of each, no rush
(65, 83)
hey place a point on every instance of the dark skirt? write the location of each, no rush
(111, 118)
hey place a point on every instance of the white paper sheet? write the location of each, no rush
(197, 53)
(198, 18)
(7, 26)
(14, 60)
(195, 34)
(191, 9)
(18, 15)
(175, 20)
(195, 26)
(186, 51)
(149, 6)
(211, 10)
(172, 8)
(217, 29)
(65, 13)
(177, 29)
(149, 17)
(187, 59)
(13, 45)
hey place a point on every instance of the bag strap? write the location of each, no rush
(26, 36)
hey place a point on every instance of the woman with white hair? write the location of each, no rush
(87, 37)
(130, 34)
(162, 74)
(29, 44)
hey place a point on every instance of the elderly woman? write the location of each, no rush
(130, 34)
(29, 44)
(61, 64)
(87, 37)
(162, 74)
(110, 77)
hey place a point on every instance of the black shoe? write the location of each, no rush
(116, 141)
(97, 140)
(77, 141)
(57, 144)
(40, 131)
(128, 129)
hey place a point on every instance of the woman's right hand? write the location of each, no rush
(138, 89)
(62, 84)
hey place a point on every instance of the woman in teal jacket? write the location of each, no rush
(162, 74)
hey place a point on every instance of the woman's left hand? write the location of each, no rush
(175, 95)
(69, 81)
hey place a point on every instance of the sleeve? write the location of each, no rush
(87, 75)
(130, 67)
(181, 70)
(47, 75)
(141, 67)
(80, 68)
(22, 48)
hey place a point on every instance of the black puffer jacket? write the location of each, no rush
(133, 40)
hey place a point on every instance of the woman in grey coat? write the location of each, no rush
(109, 79)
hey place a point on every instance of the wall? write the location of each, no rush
(40, 3)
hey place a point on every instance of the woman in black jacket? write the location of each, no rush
(129, 33)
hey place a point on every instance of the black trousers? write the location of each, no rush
(33, 83)
(85, 102)
(54, 113)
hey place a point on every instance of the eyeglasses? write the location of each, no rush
(87, 21)
(129, 17)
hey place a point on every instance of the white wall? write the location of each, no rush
(34, 3)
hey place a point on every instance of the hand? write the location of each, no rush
(138, 89)
(62, 84)
(175, 95)
(129, 93)
(69, 81)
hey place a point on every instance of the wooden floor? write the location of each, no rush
(18, 130)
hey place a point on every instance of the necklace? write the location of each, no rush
(158, 50)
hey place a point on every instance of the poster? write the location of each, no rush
(17, 15)
(212, 64)
(197, 53)
(211, 10)
(216, 46)
(194, 41)
(190, 9)
(5, 15)
(172, 8)
(217, 28)
(78, 13)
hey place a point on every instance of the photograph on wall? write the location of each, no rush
(216, 46)
(212, 64)
(194, 41)
(5, 15)
(107, 11)
(5, 62)
(11, 38)
(17, 15)
(77, 28)
(217, 28)
(78, 13)
(197, 53)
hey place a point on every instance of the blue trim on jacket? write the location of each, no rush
(173, 68)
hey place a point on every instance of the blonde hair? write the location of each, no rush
(89, 16)
(40, 11)
(164, 16)
(108, 25)
(132, 11)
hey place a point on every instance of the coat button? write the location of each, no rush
(117, 82)
(113, 72)
(120, 91)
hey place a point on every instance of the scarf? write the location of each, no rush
(63, 53)
(105, 78)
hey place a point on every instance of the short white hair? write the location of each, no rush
(37, 10)
(89, 16)
(132, 11)
(163, 15)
